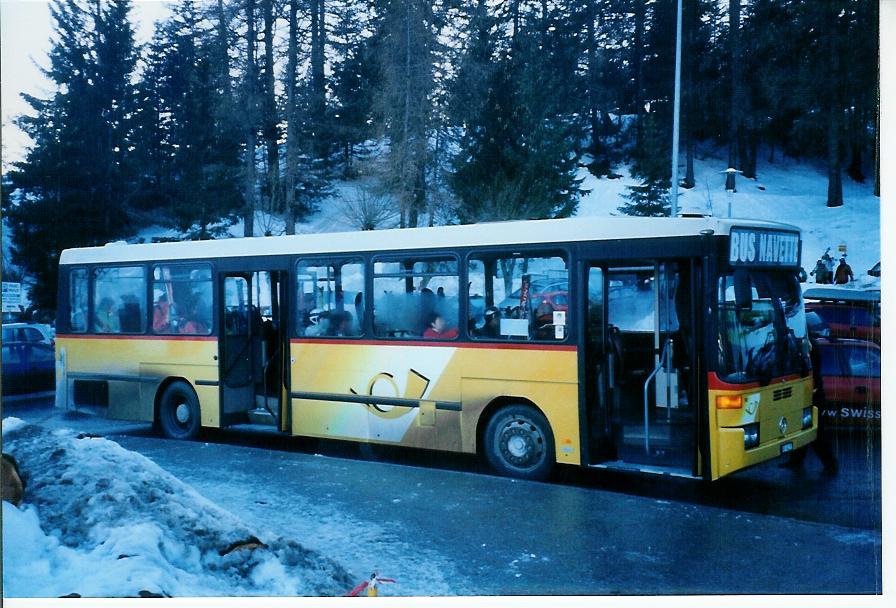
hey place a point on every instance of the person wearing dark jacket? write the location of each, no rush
(843, 275)
(822, 444)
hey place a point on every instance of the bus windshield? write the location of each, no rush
(768, 339)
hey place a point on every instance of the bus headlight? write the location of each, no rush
(751, 435)
(807, 417)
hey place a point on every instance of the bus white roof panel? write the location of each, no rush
(441, 237)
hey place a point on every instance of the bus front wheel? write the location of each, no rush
(179, 412)
(519, 443)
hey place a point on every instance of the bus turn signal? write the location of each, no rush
(729, 402)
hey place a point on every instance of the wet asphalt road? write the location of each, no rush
(767, 530)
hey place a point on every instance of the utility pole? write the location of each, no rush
(673, 189)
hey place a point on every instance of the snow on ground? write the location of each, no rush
(101, 521)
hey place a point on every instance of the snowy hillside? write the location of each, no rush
(786, 191)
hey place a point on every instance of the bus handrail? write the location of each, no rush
(264, 385)
(663, 362)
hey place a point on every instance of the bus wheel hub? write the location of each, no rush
(182, 413)
(517, 446)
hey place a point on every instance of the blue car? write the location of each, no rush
(28, 367)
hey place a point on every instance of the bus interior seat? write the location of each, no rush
(129, 318)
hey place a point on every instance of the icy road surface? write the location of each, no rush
(447, 532)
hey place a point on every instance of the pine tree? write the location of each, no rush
(406, 40)
(76, 183)
(651, 165)
(519, 155)
(190, 148)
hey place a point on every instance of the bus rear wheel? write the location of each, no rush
(179, 412)
(518, 443)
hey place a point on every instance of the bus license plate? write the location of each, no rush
(787, 447)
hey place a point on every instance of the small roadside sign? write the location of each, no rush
(12, 296)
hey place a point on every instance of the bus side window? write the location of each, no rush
(120, 294)
(518, 298)
(182, 299)
(330, 298)
(410, 293)
(78, 300)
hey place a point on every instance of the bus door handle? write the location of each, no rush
(601, 391)
(611, 371)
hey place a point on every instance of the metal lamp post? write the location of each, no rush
(673, 189)
(730, 191)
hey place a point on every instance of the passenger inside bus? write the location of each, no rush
(438, 328)
(193, 323)
(341, 324)
(543, 321)
(491, 326)
(131, 314)
(107, 317)
(161, 319)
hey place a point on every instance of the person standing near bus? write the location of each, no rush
(844, 273)
(822, 445)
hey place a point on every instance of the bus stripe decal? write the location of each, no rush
(112, 377)
(452, 406)
(442, 343)
(133, 337)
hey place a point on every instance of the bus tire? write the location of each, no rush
(518, 442)
(179, 414)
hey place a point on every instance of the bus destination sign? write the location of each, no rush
(759, 247)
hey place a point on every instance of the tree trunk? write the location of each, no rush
(856, 143)
(835, 184)
(593, 82)
(271, 132)
(249, 198)
(691, 23)
(638, 70)
(747, 146)
(735, 108)
(318, 79)
(222, 46)
(292, 128)
(877, 131)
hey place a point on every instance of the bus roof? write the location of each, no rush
(440, 237)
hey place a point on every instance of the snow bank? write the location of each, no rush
(101, 521)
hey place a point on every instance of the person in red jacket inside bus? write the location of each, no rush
(437, 327)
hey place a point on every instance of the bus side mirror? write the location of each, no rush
(743, 292)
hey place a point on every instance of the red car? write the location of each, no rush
(849, 313)
(850, 371)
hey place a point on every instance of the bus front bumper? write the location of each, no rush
(733, 457)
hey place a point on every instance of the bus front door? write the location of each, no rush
(638, 370)
(235, 346)
(252, 348)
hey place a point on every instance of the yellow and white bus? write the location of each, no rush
(675, 346)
